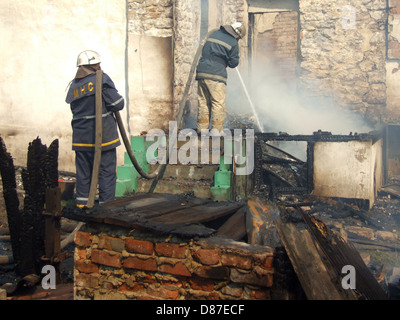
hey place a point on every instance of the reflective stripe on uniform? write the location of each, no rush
(229, 47)
(92, 117)
(116, 102)
(92, 145)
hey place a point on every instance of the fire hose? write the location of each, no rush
(179, 118)
(98, 137)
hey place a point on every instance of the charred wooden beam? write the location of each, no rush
(313, 275)
(51, 165)
(258, 175)
(156, 212)
(288, 157)
(7, 171)
(27, 226)
(52, 237)
(235, 227)
(310, 166)
(279, 177)
(260, 222)
(338, 254)
(316, 136)
(33, 178)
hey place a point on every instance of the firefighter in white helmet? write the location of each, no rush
(220, 51)
(81, 97)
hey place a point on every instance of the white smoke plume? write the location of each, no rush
(281, 107)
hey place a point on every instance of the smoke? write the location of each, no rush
(282, 107)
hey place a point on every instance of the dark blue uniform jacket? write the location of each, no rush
(220, 51)
(81, 97)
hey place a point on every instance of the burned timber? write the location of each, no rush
(163, 237)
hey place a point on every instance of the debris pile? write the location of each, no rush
(319, 236)
(27, 226)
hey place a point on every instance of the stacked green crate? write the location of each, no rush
(127, 174)
(222, 189)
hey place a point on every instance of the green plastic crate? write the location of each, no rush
(221, 193)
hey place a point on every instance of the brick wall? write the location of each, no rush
(148, 267)
(278, 38)
(150, 18)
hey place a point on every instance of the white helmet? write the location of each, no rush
(88, 57)
(239, 29)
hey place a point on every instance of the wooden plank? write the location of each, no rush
(260, 225)
(127, 218)
(307, 263)
(188, 230)
(160, 213)
(144, 214)
(393, 189)
(199, 214)
(235, 227)
(84, 215)
(168, 207)
(52, 222)
(339, 253)
(185, 230)
(122, 217)
(152, 204)
(138, 199)
(10, 194)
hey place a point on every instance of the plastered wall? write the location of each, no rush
(40, 41)
(350, 170)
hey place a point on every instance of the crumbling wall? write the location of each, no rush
(41, 41)
(343, 54)
(219, 13)
(150, 66)
(121, 265)
(232, 11)
(186, 41)
(276, 42)
(393, 55)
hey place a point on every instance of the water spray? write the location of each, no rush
(260, 126)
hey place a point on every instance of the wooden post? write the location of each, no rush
(7, 173)
(52, 241)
